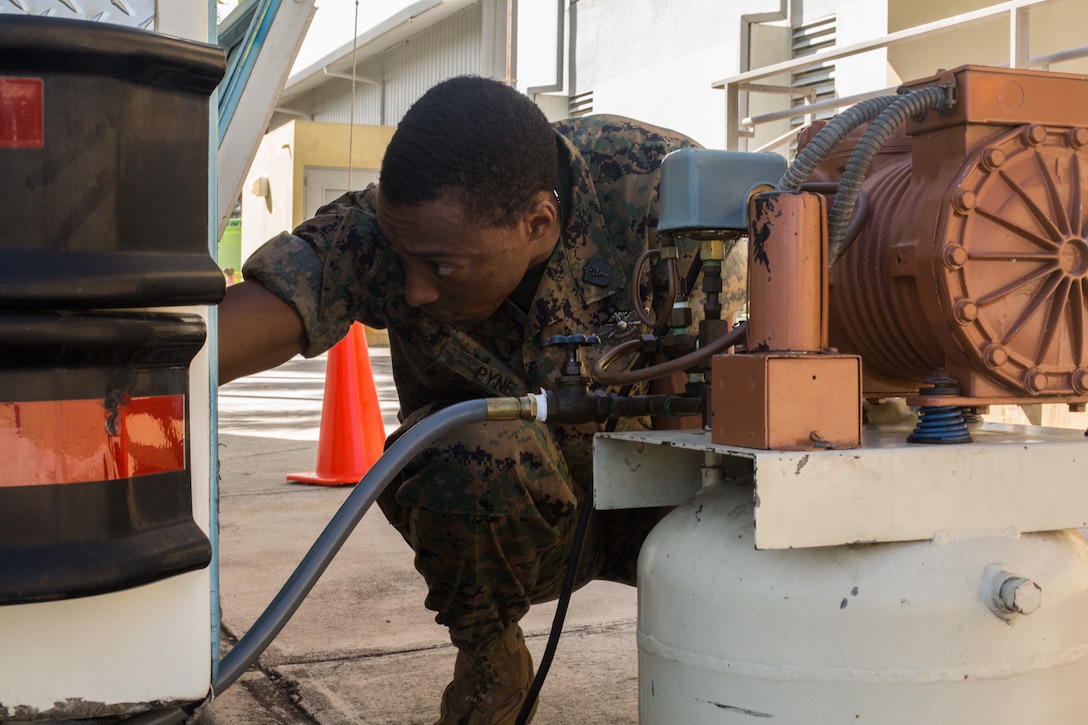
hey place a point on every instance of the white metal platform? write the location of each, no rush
(1011, 479)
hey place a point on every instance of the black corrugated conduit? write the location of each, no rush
(829, 137)
(914, 103)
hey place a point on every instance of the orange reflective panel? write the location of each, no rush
(76, 441)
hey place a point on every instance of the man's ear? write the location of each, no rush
(543, 215)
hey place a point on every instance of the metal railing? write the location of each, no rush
(749, 82)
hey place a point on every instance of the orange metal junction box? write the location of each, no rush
(781, 401)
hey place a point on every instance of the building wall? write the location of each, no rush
(282, 158)
(265, 216)
(1058, 26)
(404, 72)
(656, 61)
(665, 74)
(325, 145)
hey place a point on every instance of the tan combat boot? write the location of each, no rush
(489, 690)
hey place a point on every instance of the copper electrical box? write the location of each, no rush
(786, 401)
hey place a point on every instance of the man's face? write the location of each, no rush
(456, 272)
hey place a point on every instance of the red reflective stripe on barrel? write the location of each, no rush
(22, 113)
(77, 441)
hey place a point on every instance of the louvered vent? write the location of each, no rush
(809, 39)
(580, 104)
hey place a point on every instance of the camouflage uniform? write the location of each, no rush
(490, 511)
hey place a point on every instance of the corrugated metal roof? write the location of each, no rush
(396, 78)
(409, 22)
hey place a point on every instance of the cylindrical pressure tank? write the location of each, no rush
(960, 629)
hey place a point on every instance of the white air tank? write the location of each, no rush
(880, 633)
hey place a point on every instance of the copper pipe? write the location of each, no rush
(651, 322)
(787, 272)
(653, 372)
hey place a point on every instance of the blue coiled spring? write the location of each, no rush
(940, 424)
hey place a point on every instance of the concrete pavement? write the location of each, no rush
(362, 648)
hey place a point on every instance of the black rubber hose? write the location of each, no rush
(321, 554)
(842, 209)
(829, 137)
(560, 610)
(325, 548)
(565, 592)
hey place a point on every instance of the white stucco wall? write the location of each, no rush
(656, 61)
(263, 217)
(859, 21)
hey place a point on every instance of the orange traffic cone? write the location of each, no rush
(352, 433)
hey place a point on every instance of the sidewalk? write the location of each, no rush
(362, 649)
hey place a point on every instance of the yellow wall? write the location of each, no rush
(282, 158)
(326, 145)
(1058, 26)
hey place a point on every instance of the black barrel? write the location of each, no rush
(104, 166)
(95, 487)
(104, 159)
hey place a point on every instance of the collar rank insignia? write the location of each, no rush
(597, 272)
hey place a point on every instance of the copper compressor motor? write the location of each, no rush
(973, 259)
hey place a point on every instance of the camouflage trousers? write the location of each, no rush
(490, 512)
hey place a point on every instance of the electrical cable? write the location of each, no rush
(354, 73)
(561, 608)
(828, 137)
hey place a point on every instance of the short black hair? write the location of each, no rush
(476, 142)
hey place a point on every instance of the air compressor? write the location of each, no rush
(827, 561)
